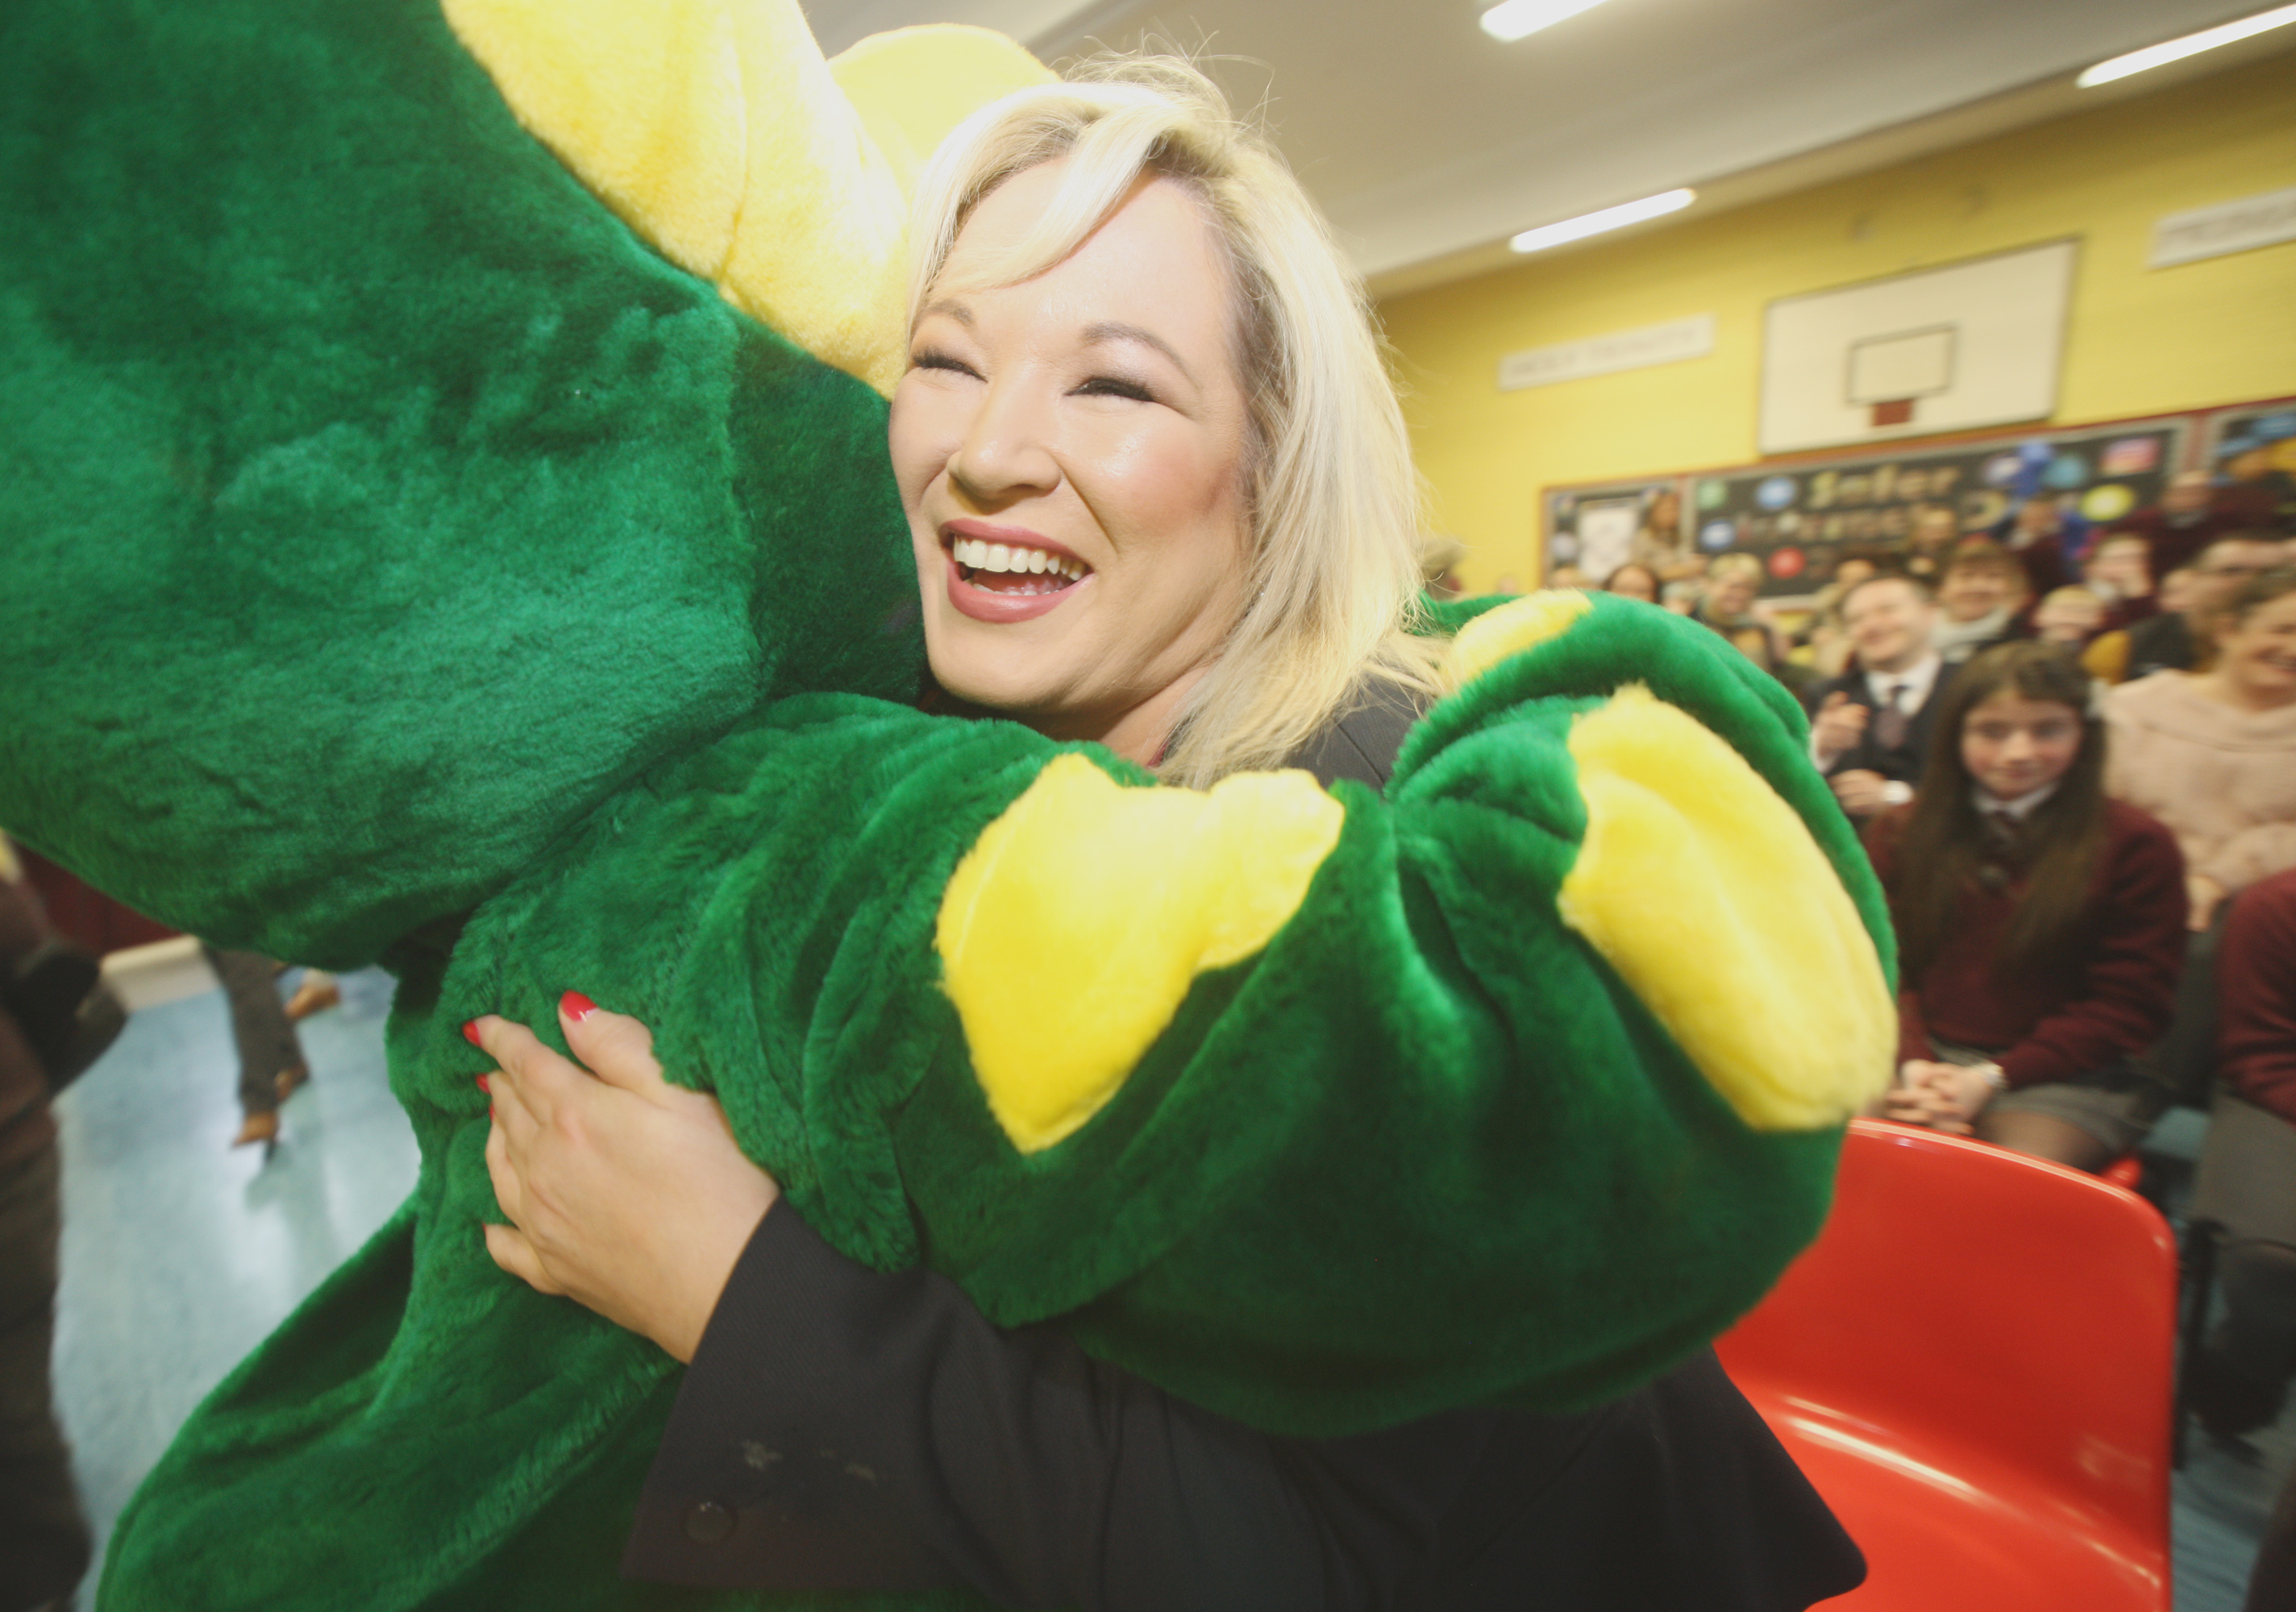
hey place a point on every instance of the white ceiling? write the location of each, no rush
(1428, 142)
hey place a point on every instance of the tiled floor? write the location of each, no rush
(180, 1253)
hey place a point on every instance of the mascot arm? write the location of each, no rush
(1317, 1109)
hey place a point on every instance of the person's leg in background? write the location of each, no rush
(2083, 1123)
(2272, 1583)
(316, 994)
(2251, 1353)
(270, 1058)
(2247, 1180)
(2045, 1136)
(43, 1539)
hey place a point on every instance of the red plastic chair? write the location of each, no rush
(1972, 1364)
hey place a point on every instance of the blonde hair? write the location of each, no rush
(1744, 566)
(1330, 494)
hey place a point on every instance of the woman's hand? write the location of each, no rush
(2202, 896)
(625, 1193)
(1943, 1096)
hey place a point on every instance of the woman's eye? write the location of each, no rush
(929, 358)
(1112, 386)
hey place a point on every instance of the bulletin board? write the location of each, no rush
(1599, 529)
(1799, 517)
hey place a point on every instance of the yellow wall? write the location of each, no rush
(2141, 341)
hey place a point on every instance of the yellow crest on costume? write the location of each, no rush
(715, 131)
(1706, 893)
(1073, 928)
(1510, 629)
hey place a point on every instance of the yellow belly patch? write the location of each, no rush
(714, 130)
(1526, 623)
(1072, 929)
(1706, 893)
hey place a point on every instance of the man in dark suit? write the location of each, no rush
(1870, 727)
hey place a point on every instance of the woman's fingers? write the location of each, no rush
(510, 1186)
(616, 1048)
(536, 1076)
(510, 1249)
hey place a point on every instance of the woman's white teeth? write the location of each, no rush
(982, 555)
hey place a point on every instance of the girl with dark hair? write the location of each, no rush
(2040, 923)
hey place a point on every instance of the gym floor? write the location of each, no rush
(181, 1253)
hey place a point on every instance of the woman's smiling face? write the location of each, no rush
(2258, 651)
(1071, 453)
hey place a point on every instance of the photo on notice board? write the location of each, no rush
(1591, 531)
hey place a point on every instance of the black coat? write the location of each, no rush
(843, 1429)
(1902, 762)
(2161, 643)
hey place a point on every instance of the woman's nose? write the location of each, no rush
(1006, 450)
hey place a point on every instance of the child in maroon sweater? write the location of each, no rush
(2041, 925)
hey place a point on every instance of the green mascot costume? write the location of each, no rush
(497, 390)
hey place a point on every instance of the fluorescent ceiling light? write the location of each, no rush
(1520, 18)
(2175, 50)
(1609, 219)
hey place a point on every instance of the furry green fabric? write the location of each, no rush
(386, 536)
(373, 504)
(1425, 1151)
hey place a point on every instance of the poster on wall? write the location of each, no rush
(2252, 453)
(1597, 529)
(1801, 519)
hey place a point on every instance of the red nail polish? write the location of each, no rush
(484, 1087)
(471, 1031)
(576, 1006)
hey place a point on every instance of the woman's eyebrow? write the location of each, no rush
(1110, 331)
(949, 305)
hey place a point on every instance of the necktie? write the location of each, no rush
(1890, 725)
(1997, 869)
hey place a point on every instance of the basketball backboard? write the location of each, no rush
(1954, 348)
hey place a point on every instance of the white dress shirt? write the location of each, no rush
(2021, 807)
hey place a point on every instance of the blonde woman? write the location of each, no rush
(1160, 498)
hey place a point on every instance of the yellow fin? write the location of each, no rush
(1073, 928)
(1708, 894)
(1511, 629)
(715, 131)
(911, 85)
